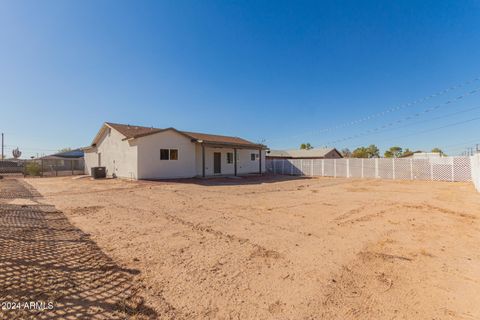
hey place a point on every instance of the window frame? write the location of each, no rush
(253, 156)
(170, 154)
(229, 157)
(162, 154)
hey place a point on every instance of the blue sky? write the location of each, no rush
(283, 72)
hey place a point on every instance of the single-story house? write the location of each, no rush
(76, 154)
(71, 160)
(315, 153)
(136, 152)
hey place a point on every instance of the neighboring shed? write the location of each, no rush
(320, 153)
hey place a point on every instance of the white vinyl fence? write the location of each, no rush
(476, 171)
(438, 169)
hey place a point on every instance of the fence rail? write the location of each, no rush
(438, 169)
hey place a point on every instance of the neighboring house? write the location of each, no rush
(320, 153)
(136, 152)
(424, 155)
(65, 161)
(71, 154)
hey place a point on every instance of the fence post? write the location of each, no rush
(311, 167)
(348, 168)
(334, 168)
(362, 169)
(453, 169)
(301, 167)
(323, 167)
(376, 168)
(431, 169)
(411, 169)
(393, 168)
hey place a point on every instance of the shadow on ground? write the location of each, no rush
(46, 260)
(232, 180)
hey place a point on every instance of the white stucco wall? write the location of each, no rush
(90, 158)
(149, 163)
(244, 163)
(117, 155)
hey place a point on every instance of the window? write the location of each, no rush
(164, 154)
(252, 156)
(229, 157)
(168, 154)
(173, 154)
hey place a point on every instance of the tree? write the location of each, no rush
(346, 153)
(407, 153)
(373, 151)
(438, 150)
(306, 146)
(366, 152)
(393, 152)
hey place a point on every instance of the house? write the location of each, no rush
(320, 153)
(425, 155)
(137, 152)
(76, 154)
(71, 160)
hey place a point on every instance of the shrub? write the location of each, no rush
(33, 169)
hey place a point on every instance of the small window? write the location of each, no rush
(164, 154)
(229, 157)
(173, 154)
(252, 156)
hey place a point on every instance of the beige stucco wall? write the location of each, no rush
(244, 163)
(151, 167)
(117, 155)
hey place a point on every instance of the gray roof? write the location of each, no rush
(301, 153)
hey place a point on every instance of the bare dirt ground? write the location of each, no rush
(287, 248)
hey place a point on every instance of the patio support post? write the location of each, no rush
(203, 160)
(235, 160)
(260, 161)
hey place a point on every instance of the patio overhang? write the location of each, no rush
(229, 145)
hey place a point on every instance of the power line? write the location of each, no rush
(442, 127)
(390, 124)
(389, 110)
(419, 122)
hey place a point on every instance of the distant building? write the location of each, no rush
(71, 154)
(425, 155)
(320, 153)
(72, 160)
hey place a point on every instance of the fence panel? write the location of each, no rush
(355, 166)
(8, 167)
(439, 169)
(462, 170)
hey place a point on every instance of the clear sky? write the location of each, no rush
(282, 72)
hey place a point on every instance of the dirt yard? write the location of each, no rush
(285, 248)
